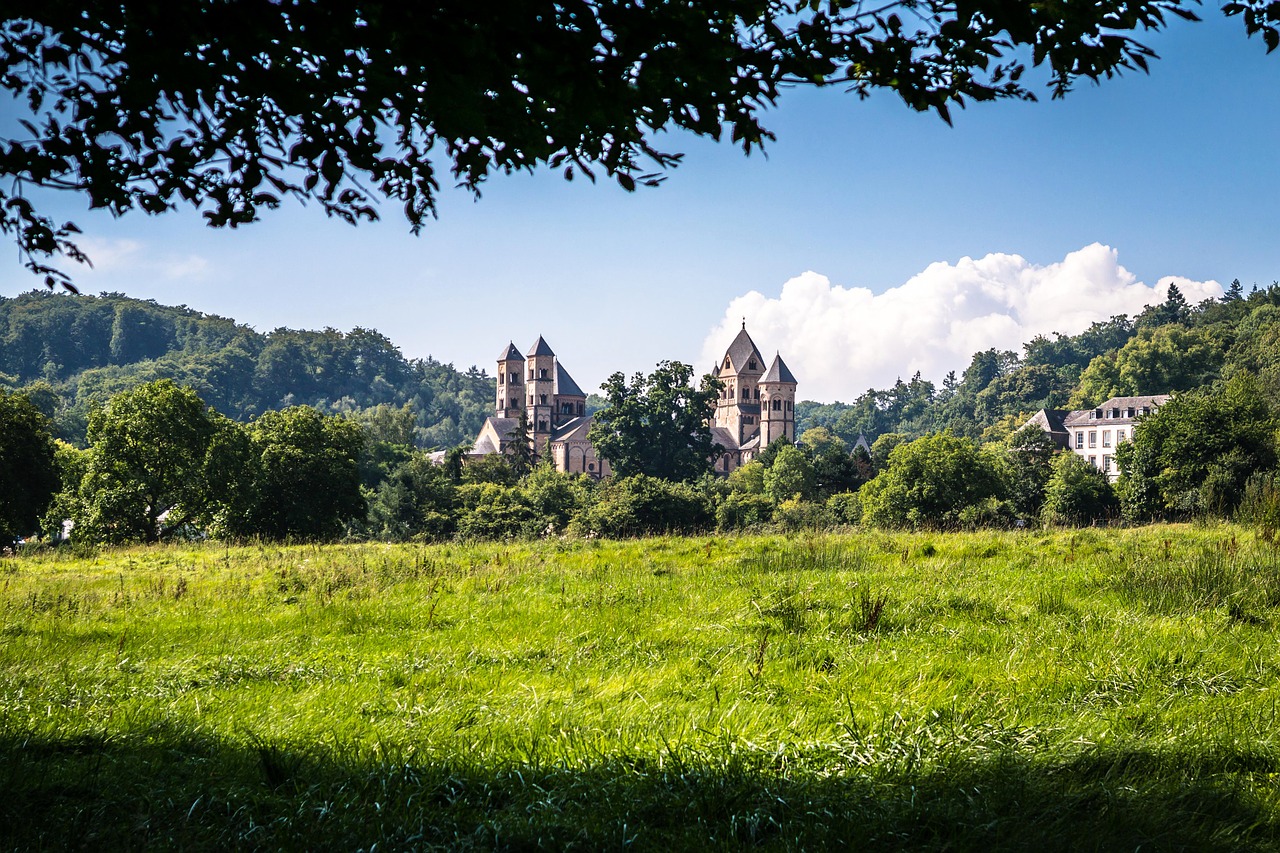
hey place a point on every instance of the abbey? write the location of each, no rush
(756, 408)
(537, 387)
(756, 405)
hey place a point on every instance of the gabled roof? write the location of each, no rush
(779, 372)
(511, 354)
(539, 348)
(741, 351)
(724, 438)
(565, 386)
(574, 429)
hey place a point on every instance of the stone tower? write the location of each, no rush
(540, 363)
(738, 409)
(777, 403)
(511, 400)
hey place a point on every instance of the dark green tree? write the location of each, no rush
(28, 470)
(307, 479)
(657, 425)
(1195, 453)
(1028, 465)
(1078, 493)
(521, 455)
(147, 454)
(929, 482)
(233, 106)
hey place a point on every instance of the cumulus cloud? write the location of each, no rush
(841, 341)
(132, 256)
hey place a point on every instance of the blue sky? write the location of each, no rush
(1174, 173)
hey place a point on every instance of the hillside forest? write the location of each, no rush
(265, 428)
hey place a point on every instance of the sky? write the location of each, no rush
(868, 243)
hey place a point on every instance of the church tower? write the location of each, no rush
(510, 383)
(777, 403)
(738, 409)
(540, 364)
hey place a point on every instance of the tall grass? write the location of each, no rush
(1106, 690)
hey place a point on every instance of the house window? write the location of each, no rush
(1080, 440)
(757, 393)
(1106, 463)
(1128, 413)
(542, 398)
(530, 372)
(580, 408)
(542, 426)
(751, 365)
(746, 393)
(777, 405)
(1119, 436)
(530, 399)
(788, 405)
(514, 402)
(542, 374)
(1093, 460)
(1106, 438)
(1093, 438)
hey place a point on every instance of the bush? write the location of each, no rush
(642, 505)
(1078, 493)
(844, 508)
(739, 510)
(797, 514)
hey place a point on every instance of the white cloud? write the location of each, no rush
(841, 341)
(113, 257)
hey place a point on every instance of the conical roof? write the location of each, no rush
(539, 348)
(779, 372)
(511, 353)
(565, 386)
(742, 350)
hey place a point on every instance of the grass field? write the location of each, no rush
(1057, 691)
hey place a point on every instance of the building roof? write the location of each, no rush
(511, 353)
(742, 350)
(1050, 420)
(494, 426)
(779, 372)
(565, 386)
(574, 429)
(724, 438)
(1081, 417)
(539, 348)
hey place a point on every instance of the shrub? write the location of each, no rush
(641, 505)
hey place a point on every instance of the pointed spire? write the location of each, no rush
(511, 353)
(540, 348)
(778, 372)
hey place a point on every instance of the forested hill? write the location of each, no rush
(1172, 346)
(70, 352)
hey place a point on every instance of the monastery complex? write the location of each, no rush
(756, 408)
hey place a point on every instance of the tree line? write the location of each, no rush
(70, 354)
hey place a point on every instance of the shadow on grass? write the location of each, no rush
(168, 789)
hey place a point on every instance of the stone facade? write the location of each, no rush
(757, 404)
(537, 386)
(755, 409)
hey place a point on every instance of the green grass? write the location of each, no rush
(1057, 691)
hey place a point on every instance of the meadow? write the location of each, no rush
(1091, 689)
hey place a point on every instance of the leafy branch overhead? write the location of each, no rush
(231, 106)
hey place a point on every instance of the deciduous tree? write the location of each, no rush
(233, 106)
(658, 424)
(28, 472)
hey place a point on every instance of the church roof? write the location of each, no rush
(742, 350)
(565, 386)
(724, 438)
(576, 428)
(511, 354)
(779, 372)
(540, 348)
